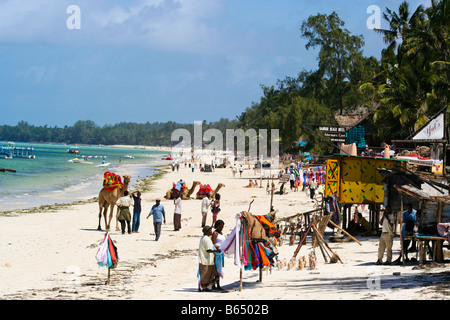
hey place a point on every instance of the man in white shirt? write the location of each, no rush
(124, 204)
(292, 180)
(387, 236)
(177, 214)
(205, 207)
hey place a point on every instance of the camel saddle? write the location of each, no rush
(111, 181)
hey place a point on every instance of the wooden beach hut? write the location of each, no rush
(433, 210)
(357, 180)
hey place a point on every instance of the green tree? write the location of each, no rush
(338, 52)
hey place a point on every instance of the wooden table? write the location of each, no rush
(423, 240)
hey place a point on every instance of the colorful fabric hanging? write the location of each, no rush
(107, 253)
(271, 230)
(250, 254)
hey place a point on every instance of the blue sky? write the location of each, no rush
(156, 60)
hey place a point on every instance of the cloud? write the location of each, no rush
(180, 25)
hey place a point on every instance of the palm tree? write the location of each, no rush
(399, 23)
(413, 84)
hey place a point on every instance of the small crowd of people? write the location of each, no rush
(211, 259)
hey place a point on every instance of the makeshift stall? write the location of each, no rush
(249, 242)
(434, 210)
(357, 180)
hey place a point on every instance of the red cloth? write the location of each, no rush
(111, 181)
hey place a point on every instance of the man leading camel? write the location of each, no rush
(124, 204)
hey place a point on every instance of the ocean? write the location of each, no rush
(52, 177)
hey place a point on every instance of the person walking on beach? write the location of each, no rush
(205, 208)
(312, 188)
(292, 180)
(159, 215)
(177, 214)
(387, 236)
(136, 211)
(124, 204)
(215, 207)
(207, 271)
(241, 169)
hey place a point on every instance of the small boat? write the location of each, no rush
(84, 161)
(76, 151)
(105, 164)
(128, 157)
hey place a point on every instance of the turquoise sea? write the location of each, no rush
(52, 178)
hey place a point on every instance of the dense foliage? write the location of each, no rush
(87, 132)
(411, 81)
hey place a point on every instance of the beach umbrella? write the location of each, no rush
(107, 255)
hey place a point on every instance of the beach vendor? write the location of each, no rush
(124, 204)
(159, 215)
(207, 271)
(218, 238)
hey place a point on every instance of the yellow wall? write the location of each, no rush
(356, 179)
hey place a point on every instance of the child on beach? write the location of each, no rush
(215, 207)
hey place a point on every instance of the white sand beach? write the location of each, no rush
(51, 254)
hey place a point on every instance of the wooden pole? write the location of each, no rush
(319, 236)
(109, 277)
(401, 231)
(260, 274)
(348, 234)
(271, 196)
(240, 279)
(303, 239)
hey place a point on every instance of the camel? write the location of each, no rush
(108, 199)
(212, 193)
(185, 194)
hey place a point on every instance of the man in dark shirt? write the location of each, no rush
(136, 211)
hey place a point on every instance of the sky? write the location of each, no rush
(112, 61)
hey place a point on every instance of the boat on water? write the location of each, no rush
(11, 151)
(5, 156)
(75, 151)
(82, 160)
